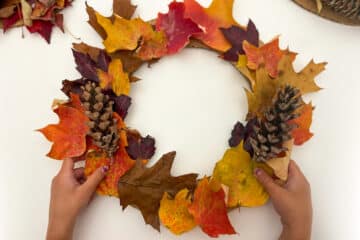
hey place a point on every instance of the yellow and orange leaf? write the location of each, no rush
(218, 15)
(115, 78)
(174, 213)
(209, 209)
(302, 133)
(236, 171)
(69, 135)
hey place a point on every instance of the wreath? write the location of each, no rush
(92, 126)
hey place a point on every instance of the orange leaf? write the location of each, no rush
(115, 78)
(302, 133)
(268, 55)
(211, 19)
(209, 210)
(174, 213)
(69, 135)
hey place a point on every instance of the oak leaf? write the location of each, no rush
(209, 209)
(69, 135)
(302, 133)
(174, 213)
(144, 187)
(115, 79)
(217, 15)
(236, 36)
(236, 171)
(178, 29)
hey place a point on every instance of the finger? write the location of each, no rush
(268, 183)
(67, 166)
(91, 183)
(294, 170)
(79, 173)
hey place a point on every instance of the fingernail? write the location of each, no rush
(258, 171)
(105, 169)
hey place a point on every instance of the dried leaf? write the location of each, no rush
(178, 29)
(26, 12)
(174, 213)
(11, 21)
(7, 11)
(302, 133)
(85, 66)
(69, 135)
(144, 187)
(236, 36)
(93, 21)
(115, 78)
(140, 147)
(268, 55)
(236, 171)
(44, 28)
(217, 15)
(124, 8)
(153, 45)
(209, 210)
(280, 165)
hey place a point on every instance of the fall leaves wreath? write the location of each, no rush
(92, 126)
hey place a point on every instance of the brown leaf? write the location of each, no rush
(7, 11)
(93, 21)
(124, 8)
(143, 187)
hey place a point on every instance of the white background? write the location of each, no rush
(189, 103)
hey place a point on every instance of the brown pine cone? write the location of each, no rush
(274, 129)
(347, 8)
(99, 109)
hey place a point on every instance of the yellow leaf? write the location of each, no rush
(122, 34)
(26, 12)
(115, 78)
(280, 165)
(248, 73)
(236, 171)
(174, 213)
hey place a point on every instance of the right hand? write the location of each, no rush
(291, 201)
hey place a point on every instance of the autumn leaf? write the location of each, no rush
(124, 8)
(11, 21)
(7, 11)
(280, 165)
(236, 36)
(140, 147)
(115, 78)
(243, 133)
(85, 65)
(69, 135)
(302, 133)
(44, 28)
(236, 171)
(153, 44)
(217, 15)
(26, 12)
(93, 22)
(209, 210)
(178, 29)
(268, 55)
(174, 213)
(265, 87)
(144, 188)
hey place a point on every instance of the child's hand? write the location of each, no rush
(69, 193)
(292, 202)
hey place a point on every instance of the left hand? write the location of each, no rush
(70, 192)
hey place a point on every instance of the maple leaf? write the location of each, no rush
(265, 87)
(236, 171)
(217, 15)
(115, 78)
(144, 187)
(85, 65)
(174, 213)
(69, 135)
(243, 133)
(269, 55)
(302, 133)
(236, 36)
(11, 21)
(178, 29)
(94, 22)
(44, 28)
(153, 44)
(139, 147)
(124, 8)
(209, 209)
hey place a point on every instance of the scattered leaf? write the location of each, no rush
(178, 29)
(217, 15)
(143, 187)
(209, 210)
(174, 213)
(236, 36)
(236, 171)
(302, 133)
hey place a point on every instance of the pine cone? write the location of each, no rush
(348, 8)
(273, 130)
(99, 109)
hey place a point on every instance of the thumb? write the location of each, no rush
(268, 183)
(91, 183)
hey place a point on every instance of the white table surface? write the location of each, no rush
(189, 103)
